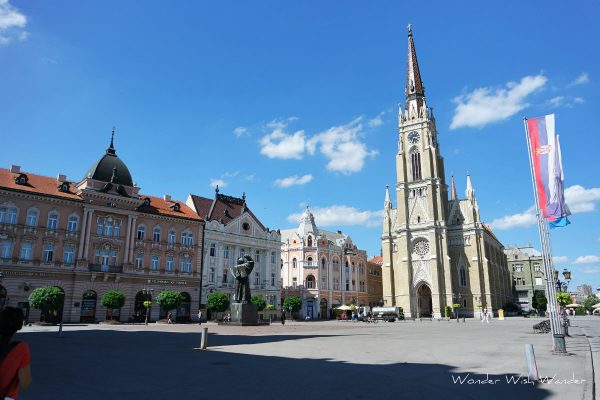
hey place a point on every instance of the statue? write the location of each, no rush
(244, 267)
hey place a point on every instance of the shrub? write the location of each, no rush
(218, 302)
(580, 311)
(259, 301)
(169, 299)
(292, 303)
(113, 299)
(49, 300)
(448, 311)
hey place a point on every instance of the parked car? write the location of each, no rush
(596, 312)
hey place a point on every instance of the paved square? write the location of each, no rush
(341, 360)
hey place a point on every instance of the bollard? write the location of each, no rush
(531, 364)
(60, 327)
(204, 339)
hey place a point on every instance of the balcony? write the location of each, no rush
(117, 269)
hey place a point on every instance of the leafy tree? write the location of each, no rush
(448, 311)
(48, 299)
(563, 298)
(259, 301)
(270, 307)
(113, 299)
(169, 299)
(539, 300)
(589, 303)
(292, 303)
(218, 302)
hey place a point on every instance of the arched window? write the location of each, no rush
(8, 215)
(212, 251)
(156, 234)
(294, 263)
(309, 241)
(155, 263)
(48, 252)
(187, 239)
(141, 233)
(171, 237)
(72, 223)
(32, 218)
(6, 248)
(52, 221)
(257, 278)
(415, 162)
(310, 282)
(211, 275)
(463, 275)
(336, 264)
(323, 263)
(170, 263)
(309, 261)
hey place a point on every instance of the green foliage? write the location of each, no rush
(589, 303)
(455, 306)
(218, 302)
(292, 303)
(147, 303)
(580, 311)
(563, 298)
(448, 311)
(259, 301)
(539, 301)
(48, 299)
(270, 307)
(169, 299)
(113, 299)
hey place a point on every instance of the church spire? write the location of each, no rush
(387, 204)
(453, 196)
(415, 90)
(111, 148)
(470, 192)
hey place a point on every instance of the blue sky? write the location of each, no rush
(295, 103)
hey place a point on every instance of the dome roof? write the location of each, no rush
(110, 168)
(307, 224)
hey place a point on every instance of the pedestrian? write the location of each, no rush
(14, 356)
(488, 316)
(343, 315)
(199, 317)
(170, 318)
(282, 318)
(483, 317)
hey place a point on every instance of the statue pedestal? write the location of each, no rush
(244, 314)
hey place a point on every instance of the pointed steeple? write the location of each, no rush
(387, 204)
(307, 224)
(453, 196)
(111, 148)
(415, 90)
(470, 192)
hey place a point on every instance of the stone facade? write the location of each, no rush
(96, 235)
(436, 251)
(374, 281)
(325, 269)
(527, 273)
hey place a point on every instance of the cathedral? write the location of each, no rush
(436, 250)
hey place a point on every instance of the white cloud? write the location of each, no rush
(280, 144)
(377, 121)
(582, 79)
(293, 180)
(560, 259)
(565, 101)
(241, 131)
(587, 260)
(12, 22)
(217, 182)
(590, 270)
(486, 105)
(342, 146)
(521, 220)
(580, 199)
(578, 100)
(338, 215)
(556, 101)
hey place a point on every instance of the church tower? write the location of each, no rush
(416, 263)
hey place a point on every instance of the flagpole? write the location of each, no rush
(558, 335)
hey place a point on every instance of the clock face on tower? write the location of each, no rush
(413, 137)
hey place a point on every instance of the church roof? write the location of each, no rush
(223, 208)
(414, 84)
(110, 168)
(307, 224)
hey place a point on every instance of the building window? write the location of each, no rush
(294, 263)
(273, 279)
(310, 282)
(415, 162)
(187, 239)
(68, 254)
(294, 282)
(324, 282)
(26, 251)
(117, 229)
(347, 284)
(225, 275)
(257, 278)
(141, 233)
(538, 281)
(309, 261)
(211, 275)
(156, 235)
(537, 267)
(171, 237)
(52, 221)
(226, 252)
(323, 263)
(463, 276)
(108, 227)
(272, 257)
(213, 250)
(188, 264)
(48, 252)
(154, 264)
(362, 286)
(8, 215)
(518, 267)
(353, 284)
(6, 249)
(72, 223)
(336, 264)
(257, 256)
(170, 263)
(139, 260)
(113, 257)
(336, 284)
(242, 253)
(32, 218)
(309, 241)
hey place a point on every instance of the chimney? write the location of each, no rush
(167, 197)
(61, 178)
(15, 169)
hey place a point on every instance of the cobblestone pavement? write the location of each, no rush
(339, 360)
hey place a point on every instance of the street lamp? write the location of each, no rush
(563, 286)
(147, 303)
(457, 297)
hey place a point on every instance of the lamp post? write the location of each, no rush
(562, 286)
(147, 293)
(457, 297)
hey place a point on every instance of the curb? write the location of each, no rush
(591, 357)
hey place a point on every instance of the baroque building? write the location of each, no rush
(97, 234)
(232, 231)
(324, 269)
(527, 274)
(436, 251)
(374, 282)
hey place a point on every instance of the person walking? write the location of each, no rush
(282, 318)
(483, 316)
(199, 317)
(488, 316)
(14, 356)
(170, 318)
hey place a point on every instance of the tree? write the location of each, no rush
(48, 299)
(563, 298)
(589, 303)
(169, 299)
(113, 299)
(292, 304)
(539, 301)
(259, 301)
(218, 302)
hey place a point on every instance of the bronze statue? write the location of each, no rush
(244, 267)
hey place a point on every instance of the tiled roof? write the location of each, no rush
(489, 231)
(47, 186)
(377, 260)
(222, 208)
(36, 184)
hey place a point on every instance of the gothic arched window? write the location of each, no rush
(415, 162)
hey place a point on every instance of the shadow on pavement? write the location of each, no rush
(100, 364)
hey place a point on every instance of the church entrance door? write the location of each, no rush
(424, 301)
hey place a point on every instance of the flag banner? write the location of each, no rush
(547, 168)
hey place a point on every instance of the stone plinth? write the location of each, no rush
(244, 314)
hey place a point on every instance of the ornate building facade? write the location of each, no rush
(527, 273)
(436, 252)
(232, 231)
(94, 235)
(374, 282)
(325, 269)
